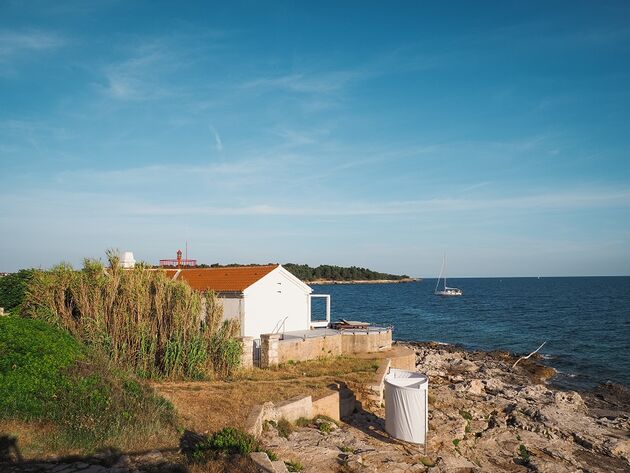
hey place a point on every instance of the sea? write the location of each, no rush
(585, 321)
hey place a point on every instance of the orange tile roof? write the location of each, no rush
(231, 279)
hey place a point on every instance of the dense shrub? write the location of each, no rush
(141, 318)
(226, 442)
(230, 440)
(46, 375)
(13, 288)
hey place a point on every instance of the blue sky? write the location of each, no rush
(350, 133)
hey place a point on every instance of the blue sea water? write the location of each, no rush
(585, 321)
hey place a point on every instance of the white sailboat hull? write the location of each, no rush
(450, 292)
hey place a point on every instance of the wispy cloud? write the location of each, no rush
(315, 82)
(18, 46)
(138, 77)
(133, 206)
(217, 138)
(15, 43)
(475, 186)
(159, 66)
(570, 200)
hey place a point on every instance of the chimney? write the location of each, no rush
(127, 261)
(179, 258)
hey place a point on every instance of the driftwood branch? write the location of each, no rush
(525, 357)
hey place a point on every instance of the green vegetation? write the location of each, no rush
(230, 440)
(468, 418)
(456, 442)
(325, 427)
(294, 465)
(323, 418)
(227, 441)
(303, 422)
(284, 428)
(139, 318)
(523, 454)
(272, 456)
(48, 376)
(338, 273)
(13, 288)
(33, 362)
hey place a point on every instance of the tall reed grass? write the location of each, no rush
(139, 317)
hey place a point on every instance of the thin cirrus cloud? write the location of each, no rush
(17, 47)
(569, 200)
(218, 142)
(314, 83)
(16, 43)
(132, 206)
(137, 78)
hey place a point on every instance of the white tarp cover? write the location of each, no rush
(406, 408)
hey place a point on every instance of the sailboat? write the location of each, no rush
(447, 291)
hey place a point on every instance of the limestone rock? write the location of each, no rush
(475, 387)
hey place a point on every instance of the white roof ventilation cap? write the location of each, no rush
(127, 260)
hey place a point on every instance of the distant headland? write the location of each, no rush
(331, 274)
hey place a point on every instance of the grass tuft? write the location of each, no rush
(284, 428)
(294, 465)
(523, 454)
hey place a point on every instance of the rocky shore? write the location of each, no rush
(484, 416)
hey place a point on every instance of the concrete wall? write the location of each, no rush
(292, 410)
(361, 342)
(309, 349)
(329, 406)
(279, 296)
(274, 350)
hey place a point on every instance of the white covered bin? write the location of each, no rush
(406, 405)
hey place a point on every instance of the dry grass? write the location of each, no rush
(210, 406)
(351, 368)
(44, 440)
(236, 463)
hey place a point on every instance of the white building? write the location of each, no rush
(265, 299)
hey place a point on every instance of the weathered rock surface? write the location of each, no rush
(483, 417)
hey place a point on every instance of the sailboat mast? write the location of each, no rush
(437, 284)
(445, 266)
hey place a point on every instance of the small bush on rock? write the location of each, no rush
(284, 428)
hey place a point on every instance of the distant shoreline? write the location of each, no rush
(361, 281)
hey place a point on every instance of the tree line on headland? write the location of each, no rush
(326, 272)
(339, 273)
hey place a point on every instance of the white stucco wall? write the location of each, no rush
(276, 296)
